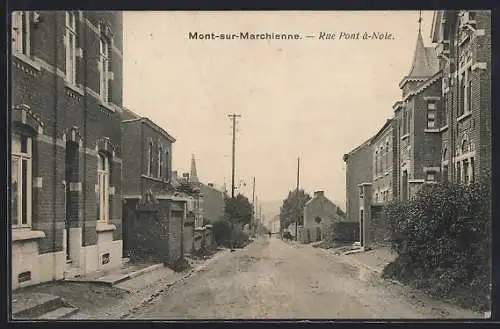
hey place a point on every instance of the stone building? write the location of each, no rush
(153, 212)
(319, 214)
(66, 78)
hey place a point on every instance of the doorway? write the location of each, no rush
(404, 186)
(361, 227)
(71, 193)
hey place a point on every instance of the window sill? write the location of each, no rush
(107, 106)
(432, 130)
(464, 116)
(104, 227)
(26, 233)
(156, 179)
(405, 136)
(27, 60)
(74, 88)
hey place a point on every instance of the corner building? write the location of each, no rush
(66, 214)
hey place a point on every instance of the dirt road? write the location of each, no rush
(273, 279)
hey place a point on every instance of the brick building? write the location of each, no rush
(66, 71)
(463, 45)
(441, 129)
(153, 212)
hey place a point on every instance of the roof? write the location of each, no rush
(131, 116)
(384, 127)
(357, 148)
(128, 114)
(425, 62)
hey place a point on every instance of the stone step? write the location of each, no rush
(32, 305)
(59, 313)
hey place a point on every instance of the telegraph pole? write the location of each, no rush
(233, 118)
(297, 196)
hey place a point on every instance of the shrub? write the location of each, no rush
(222, 232)
(442, 238)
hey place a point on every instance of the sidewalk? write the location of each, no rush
(107, 295)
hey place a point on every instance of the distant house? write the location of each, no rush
(153, 211)
(319, 213)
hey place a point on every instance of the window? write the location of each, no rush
(21, 32)
(405, 121)
(167, 168)
(431, 115)
(466, 88)
(465, 168)
(70, 43)
(150, 159)
(387, 160)
(160, 162)
(472, 173)
(21, 180)
(459, 176)
(376, 162)
(445, 173)
(431, 176)
(361, 192)
(104, 46)
(445, 111)
(103, 186)
(409, 122)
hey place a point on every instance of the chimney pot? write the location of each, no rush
(210, 184)
(319, 193)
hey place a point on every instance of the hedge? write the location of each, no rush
(442, 237)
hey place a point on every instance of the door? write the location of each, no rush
(361, 231)
(71, 177)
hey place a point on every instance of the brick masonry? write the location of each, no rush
(69, 114)
(416, 148)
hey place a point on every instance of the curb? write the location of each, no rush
(138, 273)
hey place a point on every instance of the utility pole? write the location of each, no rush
(297, 196)
(233, 118)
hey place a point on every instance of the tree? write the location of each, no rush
(239, 209)
(293, 208)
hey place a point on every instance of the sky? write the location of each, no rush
(308, 98)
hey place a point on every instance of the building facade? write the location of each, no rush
(319, 214)
(66, 160)
(154, 213)
(463, 46)
(441, 129)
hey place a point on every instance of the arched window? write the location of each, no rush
(376, 162)
(465, 146)
(103, 187)
(21, 179)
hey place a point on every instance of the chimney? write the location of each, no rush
(319, 193)
(210, 184)
(174, 174)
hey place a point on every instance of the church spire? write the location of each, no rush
(193, 176)
(419, 22)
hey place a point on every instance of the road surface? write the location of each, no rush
(272, 279)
